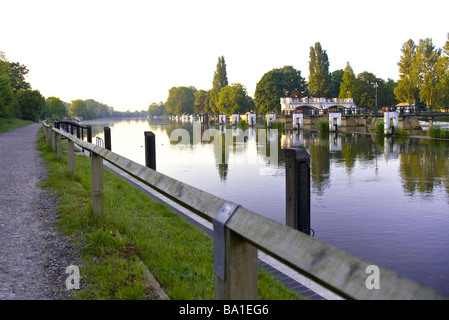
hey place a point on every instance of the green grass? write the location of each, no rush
(134, 228)
(8, 124)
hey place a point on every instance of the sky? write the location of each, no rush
(128, 54)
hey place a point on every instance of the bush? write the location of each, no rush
(323, 125)
(438, 132)
(380, 128)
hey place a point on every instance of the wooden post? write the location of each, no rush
(297, 165)
(241, 267)
(150, 150)
(97, 184)
(70, 157)
(58, 146)
(53, 140)
(107, 138)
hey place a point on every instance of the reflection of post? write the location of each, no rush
(268, 144)
(297, 165)
(150, 150)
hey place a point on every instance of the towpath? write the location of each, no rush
(33, 255)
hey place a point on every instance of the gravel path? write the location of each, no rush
(33, 256)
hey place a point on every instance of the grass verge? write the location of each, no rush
(134, 229)
(7, 124)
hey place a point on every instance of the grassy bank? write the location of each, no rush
(8, 124)
(134, 232)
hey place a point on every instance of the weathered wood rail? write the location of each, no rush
(239, 233)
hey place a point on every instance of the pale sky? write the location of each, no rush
(128, 54)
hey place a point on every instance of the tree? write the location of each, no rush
(156, 109)
(319, 76)
(365, 91)
(79, 108)
(407, 89)
(56, 108)
(31, 104)
(348, 83)
(17, 74)
(443, 75)
(4, 65)
(6, 97)
(427, 58)
(277, 84)
(219, 81)
(181, 100)
(234, 99)
(200, 101)
(335, 83)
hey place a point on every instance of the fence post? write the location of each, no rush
(53, 140)
(150, 150)
(297, 165)
(240, 281)
(70, 157)
(58, 146)
(97, 184)
(107, 138)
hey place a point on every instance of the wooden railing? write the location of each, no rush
(239, 233)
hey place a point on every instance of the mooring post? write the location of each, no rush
(89, 134)
(107, 138)
(297, 165)
(97, 184)
(150, 150)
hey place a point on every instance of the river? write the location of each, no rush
(382, 199)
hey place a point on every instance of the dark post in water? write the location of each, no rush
(107, 138)
(150, 150)
(297, 165)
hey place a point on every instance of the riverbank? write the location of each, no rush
(8, 124)
(135, 230)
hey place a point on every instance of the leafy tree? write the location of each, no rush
(234, 99)
(443, 75)
(219, 81)
(200, 101)
(56, 108)
(4, 65)
(31, 104)
(79, 108)
(319, 76)
(17, 74)
(427, 58)
(181, 100)
(335, 83)
(348, 83)
(156, 109)
(277, 84)
(97, 109)
(6, 97)
(407, 89)
(365, 92)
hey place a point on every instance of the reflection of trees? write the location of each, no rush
(320, 164)
(424, 166)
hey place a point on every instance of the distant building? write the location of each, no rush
(291, 104)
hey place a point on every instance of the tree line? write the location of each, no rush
(424, 78)
(18, 100)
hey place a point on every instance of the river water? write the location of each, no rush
(384, 200)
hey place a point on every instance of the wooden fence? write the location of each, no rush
(239, 233)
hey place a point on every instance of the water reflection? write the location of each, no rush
(383, 199)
